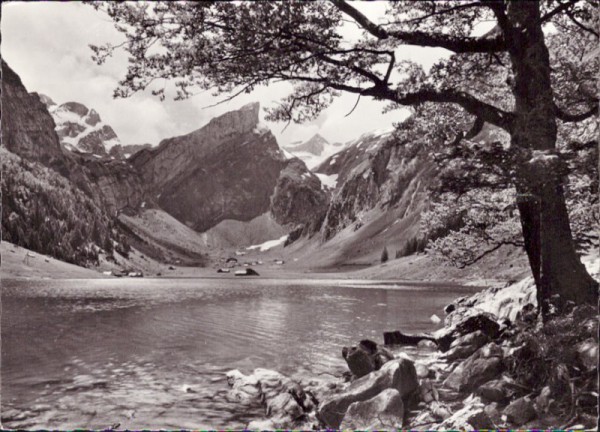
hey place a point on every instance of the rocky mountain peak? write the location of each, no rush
(81, 129)
(240, 121)
(46, 100)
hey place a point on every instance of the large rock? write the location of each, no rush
(484, 322)
(384, 411)
(494, 391)
(399, 374)
(284, 400)
(466, 345)
(366, 357)
(520, 411)
(478, 369)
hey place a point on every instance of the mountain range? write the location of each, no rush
(226, 185)
(313, 151)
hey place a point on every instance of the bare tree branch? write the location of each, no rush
(580, 24)
(420, 38)
(567, 117)
(562, 7)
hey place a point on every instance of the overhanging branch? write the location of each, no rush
(453, 43)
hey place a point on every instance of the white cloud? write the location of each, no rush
(46, 43)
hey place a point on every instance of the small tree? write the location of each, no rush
(384, 254)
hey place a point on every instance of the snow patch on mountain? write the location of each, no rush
(82, 130)
(269, 244)
(314, 151)
(328, 181)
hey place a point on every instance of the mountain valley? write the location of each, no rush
(227, 187)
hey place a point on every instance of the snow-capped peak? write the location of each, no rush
(82, 130)
(314, 151)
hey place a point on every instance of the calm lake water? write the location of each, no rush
(94, 353)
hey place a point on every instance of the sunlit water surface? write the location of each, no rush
(96, 353)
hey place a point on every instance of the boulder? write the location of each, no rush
(484, 322)
(471, 416)
(462, 325)
(366, 357)
(466, 345)
(398, 374)
(474, 371)
(439, 410)
(493, 391)
(520, 411)
(477, 338)
(383, 411)
(450, 308)
(422, 370)
(284, 399)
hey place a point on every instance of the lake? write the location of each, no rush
(95, 353)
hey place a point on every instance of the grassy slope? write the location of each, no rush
(17, 264)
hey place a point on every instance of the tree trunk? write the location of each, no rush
(557, 270)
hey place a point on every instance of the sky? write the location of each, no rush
(47, 45)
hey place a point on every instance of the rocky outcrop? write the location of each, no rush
(366, 357)
(81, 129)
(226, 170)
(398, 374)
(284, 400)
(27, 128)
(384, 411)
(298, 197)
(114, 182)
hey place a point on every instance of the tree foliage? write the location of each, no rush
(44, 212)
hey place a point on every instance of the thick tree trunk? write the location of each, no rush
(558, 271)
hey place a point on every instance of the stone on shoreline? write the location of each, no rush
(466, 345)
(493, 391)
(398, 374)
(383, 411)
(478, 369)
(366, 357)
(520, 411)
(284, 399)
(464, 325)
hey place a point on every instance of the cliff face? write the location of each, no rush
(298, 197)
(81, 130)
(379, 193)
(226, 170)
(115, 183)
(373, 172)
(27, 128)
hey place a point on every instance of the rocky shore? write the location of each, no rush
(493, 365)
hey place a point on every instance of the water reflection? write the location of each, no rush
(153, 353)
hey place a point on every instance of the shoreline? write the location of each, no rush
(19, 263)
(479, 380)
